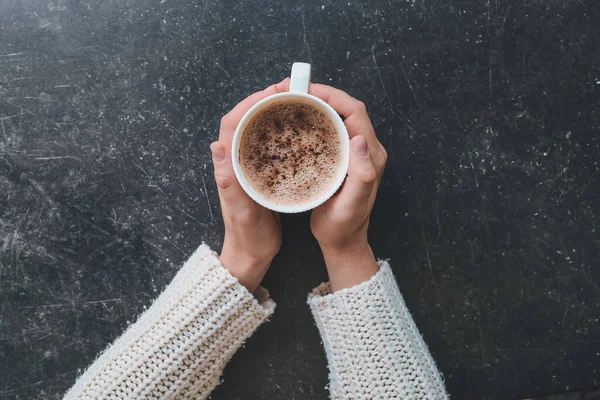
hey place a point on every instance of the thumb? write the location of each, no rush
(229, 188)
(361, 174)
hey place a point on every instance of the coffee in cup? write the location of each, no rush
(290, 152)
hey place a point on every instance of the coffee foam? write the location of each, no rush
(290, 152)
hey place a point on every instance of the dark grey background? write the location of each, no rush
(488, 212)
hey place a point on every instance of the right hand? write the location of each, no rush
(340, 224)
(252, 233)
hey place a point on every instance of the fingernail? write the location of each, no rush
(359, 146)
(218, 152)
(277, 85)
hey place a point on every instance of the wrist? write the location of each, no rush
(348, 250)
(350, 265)
(248, 269)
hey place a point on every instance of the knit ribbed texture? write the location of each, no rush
(373, 346)
(179, 347)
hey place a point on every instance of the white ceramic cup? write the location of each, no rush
(299, 83)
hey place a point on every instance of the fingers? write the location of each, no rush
(229, 188)
(341, 101)
(361, 176)
(231, 194)
(357, 119)
(230, 121)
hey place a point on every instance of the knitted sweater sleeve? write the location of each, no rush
(373, 346)
(178, 348)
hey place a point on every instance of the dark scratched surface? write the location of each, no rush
(489, 210)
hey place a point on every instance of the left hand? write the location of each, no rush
(252, 232)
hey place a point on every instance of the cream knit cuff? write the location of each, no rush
(178, 348)
(373, 346)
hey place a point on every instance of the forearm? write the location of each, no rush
(349, 267)
(178, 348)
(373, 347)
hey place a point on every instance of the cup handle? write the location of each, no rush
(300, 78)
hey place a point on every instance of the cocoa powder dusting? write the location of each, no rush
(290, 152)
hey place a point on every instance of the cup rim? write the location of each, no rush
(342, 171)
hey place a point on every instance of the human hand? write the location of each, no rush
(340, 224)
(252, 232)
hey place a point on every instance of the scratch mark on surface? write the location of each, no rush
(156, 247)
(152, 185)
(19, 107)
(59, 305)
(57, 158)
(427, 251)
(564, 316)
(204, 11)
(437, 219)
(306, 44)
(170, 241)
(474, 172)
(505, 18)
(149, 177)
(223, 69)
(408, 81)
(114, 218)
(346, 16)
(186, 213)
(378, 71)
(40, 190)
(425, 241)
(588, 278)
(15, 390)
(100, 251)
(481, 338)
(62, 86)
(11, 54)
(265, 65)
(489, 49)
(143, 170)
(212, 218)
